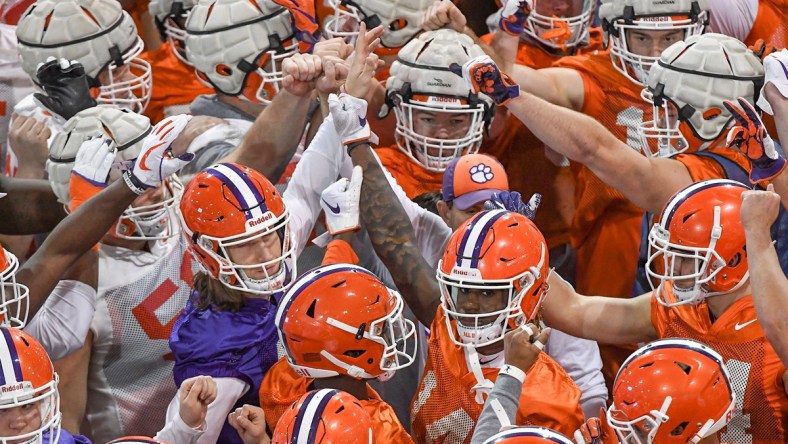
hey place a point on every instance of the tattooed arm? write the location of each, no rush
(29, 208)
(393, 238)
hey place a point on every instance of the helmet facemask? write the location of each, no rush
(345, 21)
(393, 332)
(435, 153)
(45, 398)
(635, 66)
(236, 276)
(640, 430)
(126, 81)
(662, 136)
(154, 221)
(14, 300)
(561, 33)
(486, 328)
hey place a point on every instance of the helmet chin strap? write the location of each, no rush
(352, 370)
(483, 385)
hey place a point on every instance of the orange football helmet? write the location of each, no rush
(28, 379)
(672, 391)
(14, 302)
(699, 225)
(529, 435)
(494, 250)
(326, 416)
(229, 205)
(340, 319)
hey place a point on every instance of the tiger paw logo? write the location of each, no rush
(481, 173)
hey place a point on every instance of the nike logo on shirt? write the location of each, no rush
(334, 209)
(738, 326)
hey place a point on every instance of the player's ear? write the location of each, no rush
(443, 211)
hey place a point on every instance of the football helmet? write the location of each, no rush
(237, 46)
(671, 391)
(686, 88)
(547, 28)
(150, 221)
(340, 319)
(28, 380)
(529, 435)
(699, 226)
(98, 34)
(401, 19)
(619, 17)
(420, 81)
(325, 416)
(14, 302)
(493, 251)
(229, 205)
(170, 17)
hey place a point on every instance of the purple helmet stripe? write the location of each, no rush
(232, 185)
(14, 357)
(260, 198)
(682, 197)
(479, 238)
(317, 415)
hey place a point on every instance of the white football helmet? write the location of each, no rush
(237, 46)
(128, 130)
(547, 28)
(98, 34)
(14, 302)
(421, 81)
(170, 17)
(687, 87)
(619, 17)
(400, 18)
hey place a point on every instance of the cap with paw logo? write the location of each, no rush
(472, 179)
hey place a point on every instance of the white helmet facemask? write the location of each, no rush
(560, 33)
(170, 17)
(400, 18)
(428, 98)
(622, 17)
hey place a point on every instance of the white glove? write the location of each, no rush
(94, 160)
(350, 119)
(775, 67)
(155, 162)
(340, 203)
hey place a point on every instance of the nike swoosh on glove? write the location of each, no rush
(513, 201)
(514, 14)
(156, 162)
(91, 169)
(750, 137)
(340, 204)
(66, 86)
(482, 75)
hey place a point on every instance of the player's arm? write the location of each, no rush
(602, 319)
(85, 226)
(759, 210)
(29, 206)
(275, 134)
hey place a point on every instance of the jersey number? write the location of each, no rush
(452, 428)
(631, 118)
(738, 425)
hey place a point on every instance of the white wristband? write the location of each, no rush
(513, 371)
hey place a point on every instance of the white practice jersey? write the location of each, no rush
(130, 379)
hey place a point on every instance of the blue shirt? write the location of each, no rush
(225, 344)
(66, 438)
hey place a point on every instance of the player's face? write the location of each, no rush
(558, 8)
(456, 217)
(440, 125)
(652, 43)
(476, 301)
(683, 266)
(256, 251)
(21, 420)
(149, 197)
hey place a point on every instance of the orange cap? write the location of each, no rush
(473, 178)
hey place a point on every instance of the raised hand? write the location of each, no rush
(66, 86)
(28, 137)
(363, 63)
(483, 76)
(91, 169)
(514, 15)
(750, 137)
(249, 421)
(340, 203)
(521, 346)
(301, 72)
(156, 162)
(196, 394)
(513, 201)
(350, 120)
(443, 14)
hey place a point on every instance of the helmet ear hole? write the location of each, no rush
(224, 70)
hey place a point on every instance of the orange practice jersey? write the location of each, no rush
(411, 176)
(606, 225)
(174, 84)
(771, 24)
(704, 168)
(522, 154)
(755, 369)
(282, 386)
(445, 409)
